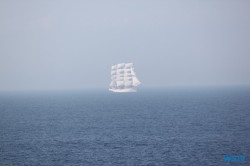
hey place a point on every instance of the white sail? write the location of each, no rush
(113, 83)
(113, 72)
(114, 67)
(120, 83)
(120, 65)
(128, 83)
(120, 71)
(123, 78)
(119, 79)
(128, 65)
(136, 82)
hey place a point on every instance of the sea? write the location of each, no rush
(182, 127)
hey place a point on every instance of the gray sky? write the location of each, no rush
(59, 44)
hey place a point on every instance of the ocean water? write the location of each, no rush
(170, 127)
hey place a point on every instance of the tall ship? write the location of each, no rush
(123, 78)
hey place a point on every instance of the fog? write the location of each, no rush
(59, 44)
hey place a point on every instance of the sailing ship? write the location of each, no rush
(123, 78)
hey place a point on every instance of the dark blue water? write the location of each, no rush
(144, 128)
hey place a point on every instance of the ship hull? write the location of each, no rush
(122, 90)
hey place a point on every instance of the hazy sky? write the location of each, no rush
(68, 44)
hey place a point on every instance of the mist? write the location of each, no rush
(53, 44)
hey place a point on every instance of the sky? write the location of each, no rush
(71, 44)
